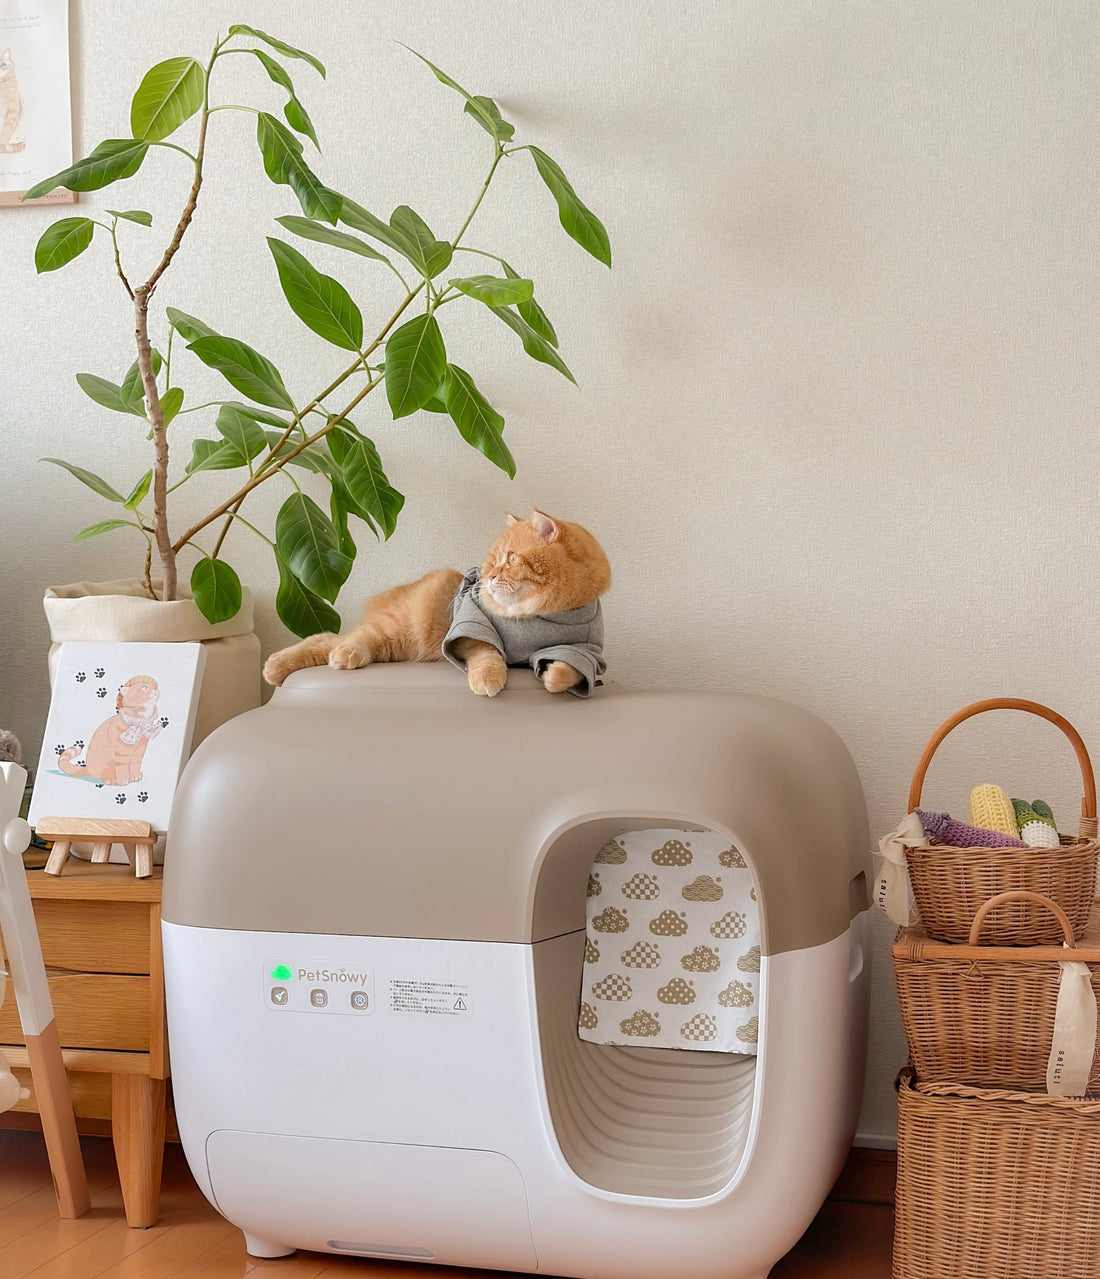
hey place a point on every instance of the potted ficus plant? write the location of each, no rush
(269, 428)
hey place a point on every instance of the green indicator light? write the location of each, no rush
(282, 973)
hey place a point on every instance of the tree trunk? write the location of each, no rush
(155, 414)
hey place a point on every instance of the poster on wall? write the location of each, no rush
(36, 131)
(119, 731)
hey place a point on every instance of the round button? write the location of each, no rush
(359, 1000)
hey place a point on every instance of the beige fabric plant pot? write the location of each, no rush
(122, 611)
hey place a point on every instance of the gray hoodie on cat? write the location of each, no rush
(574, 637)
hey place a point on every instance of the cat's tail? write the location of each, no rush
(65, 763)
(12, 146)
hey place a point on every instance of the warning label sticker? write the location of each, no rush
(429, 998)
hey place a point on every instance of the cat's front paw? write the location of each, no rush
(560, 677)
(278, 666)
(348, 656)
(486, 680)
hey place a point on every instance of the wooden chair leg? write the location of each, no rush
(55, 1108)
(59, 855)
(137, 1128)
(101, 850)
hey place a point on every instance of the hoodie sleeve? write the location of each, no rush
(585, 658)
(469, 622)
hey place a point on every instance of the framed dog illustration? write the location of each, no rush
(119, 731)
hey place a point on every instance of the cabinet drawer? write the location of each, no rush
(92, 1010)
(94, 937)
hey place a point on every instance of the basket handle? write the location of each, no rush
(1020, 894)
(1087, 827)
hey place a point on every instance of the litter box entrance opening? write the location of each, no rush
(656, 1122)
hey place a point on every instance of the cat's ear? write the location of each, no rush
(545, 527)
(512, 519)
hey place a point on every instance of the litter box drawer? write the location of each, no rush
(92, 1010)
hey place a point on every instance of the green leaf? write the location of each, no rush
(339, 506)
(362, 220)
(307, 541)
(424, 251)
(137, 493)
(311, 458)
(132, 391)
(486, 112)
(580, 223)
(283, 164)
(310, 230)
(415, 362)
(490, 121)
(319, 301)
(171, 402)
(259, 415)
(105, 393)
(434, 405)
(478, 422)
(169, 93)
(536, 347)
(298, 118)
(62, 242)
(299, 609)
(532, 312)
(104, 526)
(242, 431)
(111, 160)
(494, 291)
(133, 215)
(92, 480)
(280, 46)
(215, 455)
(216, 589)
(187, 326)
(274, 69)
(250, 372)
(373, 497)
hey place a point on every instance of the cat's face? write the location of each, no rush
(7, 65)
(543, 565)
(138, 696)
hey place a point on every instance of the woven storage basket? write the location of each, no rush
(984, 1015)
(995, 1184)
(952, 884)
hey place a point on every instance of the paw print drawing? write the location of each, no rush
(81, 677)
(120, 798)
(101, 692)
(164, 721)
(99, 672)
(59, 750)
(143, 795)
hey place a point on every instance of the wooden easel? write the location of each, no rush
(32, 994)
(136, 838)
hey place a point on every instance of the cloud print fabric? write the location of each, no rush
(672, 956)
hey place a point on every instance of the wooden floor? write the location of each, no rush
(850, 1238)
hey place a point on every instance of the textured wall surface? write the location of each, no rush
(837, 398)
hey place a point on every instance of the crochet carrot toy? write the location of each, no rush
(959, 835)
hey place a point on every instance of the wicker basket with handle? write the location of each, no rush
(995, 1184)
(952, 884)
(984, 1015)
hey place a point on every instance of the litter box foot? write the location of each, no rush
(264, 1250)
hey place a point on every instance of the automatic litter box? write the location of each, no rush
(374, 929)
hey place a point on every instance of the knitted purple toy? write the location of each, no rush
(961, 835)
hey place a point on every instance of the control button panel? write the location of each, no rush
(317, 987)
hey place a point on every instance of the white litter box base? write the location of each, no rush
(432, 1121)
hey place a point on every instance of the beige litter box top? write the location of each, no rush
(393, 802)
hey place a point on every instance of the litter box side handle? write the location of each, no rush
(1087, 827)
(1020, 895)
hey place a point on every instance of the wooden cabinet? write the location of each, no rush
(100, 931)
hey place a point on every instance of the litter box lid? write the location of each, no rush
(391, 801)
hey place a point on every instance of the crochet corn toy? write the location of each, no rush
(991, 809)
(1036, 822)
(959, 835)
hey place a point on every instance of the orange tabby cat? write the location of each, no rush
(534, 601)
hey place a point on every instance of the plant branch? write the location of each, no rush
(118, 260)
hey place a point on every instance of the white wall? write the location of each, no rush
(837, 398)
